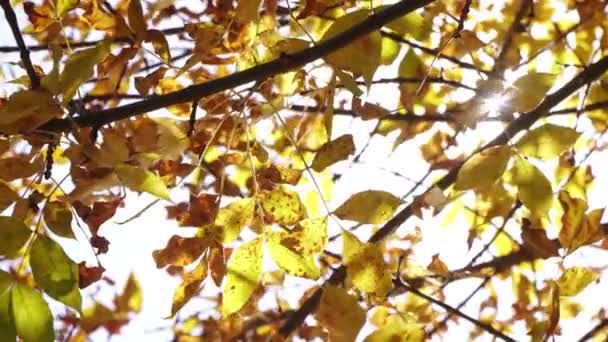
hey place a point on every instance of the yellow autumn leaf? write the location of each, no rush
(113, 150)
(340, 314)
(244, 271)
(578, 229)
(35, 105)
(547, 141)
(141, 180)
(180, 251)
(396, 329)
(575, 279)
(283, 206)
(79, 68)
(333, 151)
(248, 11)
(190, 286)
(159, 44)
(289, 260)
(63, 6)
(361, 57)
(529, 90)
(413, 24)
(533, 188)
(234, 217)
(369, 207)
(483, 169)
(137, 22)
(365, 265)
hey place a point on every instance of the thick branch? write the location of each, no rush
(11, 18)
(260, 72)
(525, 121)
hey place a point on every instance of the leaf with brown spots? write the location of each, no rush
(244, 271)
(190, 286)
(283, 206)
(180, 251)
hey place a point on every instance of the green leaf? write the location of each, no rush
(574, 280)
(142, 180)
(244, 271)
(8, 331)
(530, 89)
(533, 188)
(58, 217)
(483, 169)
(390, 51)
(547, 141)
(234, 217)
(295, 264)
(363, 56)
(333, 152)
(369, 207)
(13, 234)
(340, 313)
(283, 206)
(63, 6)
(79, 68)
(33, 319)
(365, 265)
(54, 272)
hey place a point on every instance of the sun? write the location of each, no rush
(495, 104)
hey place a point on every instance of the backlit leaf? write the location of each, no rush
(13, 234)
(575, 279)
(333, 152)
(369, 207)
(396, 329)
(365, 265)
(8, 331)
(234, 217)
(533, 188)
(530, 89)
(7, 196)
(136, 18)
(340, 314)
(483, 168)
(292, 262)
(180, 251)
(54, 272)
(63, 6)
(189, 287)
(160, 44)
(244, 271)
(79, 68)
(283, 206)
(351, 57)
(248, 10)
(131, 298)
(28, 109)
(142, 180)
(578, 229)
(58, 218)
(412, 24)
(547, 141)
(33, 319)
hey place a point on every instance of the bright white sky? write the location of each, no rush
(132, 244)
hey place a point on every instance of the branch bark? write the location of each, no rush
(260, 72)
(525, 121)
(11, 18)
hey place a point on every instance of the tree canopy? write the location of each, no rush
(251, 123)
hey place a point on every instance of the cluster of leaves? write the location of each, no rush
(244, 129)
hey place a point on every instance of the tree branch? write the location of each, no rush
(260, 72)
(523, 122)
(11, 18)
(488, 328)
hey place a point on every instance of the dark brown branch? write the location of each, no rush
(488, 328)
(596, 329)
(11, 18)
(260, 72)
(525, 121)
